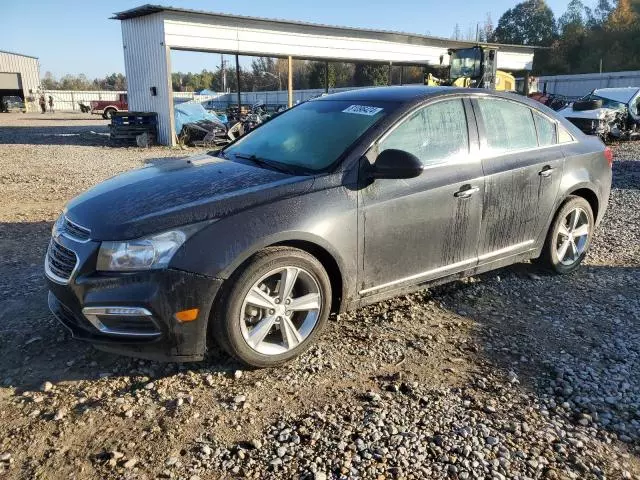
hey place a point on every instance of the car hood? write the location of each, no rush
(596, 114)
(177, 192)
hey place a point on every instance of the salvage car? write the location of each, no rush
(610, 113)
(336, 203)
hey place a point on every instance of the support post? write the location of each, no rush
(527, 77)
(326, 77)
(238, 81)
(401, 73)
(389, 77)
(290, 82)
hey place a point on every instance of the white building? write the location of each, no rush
(150, 32)
(19, 75)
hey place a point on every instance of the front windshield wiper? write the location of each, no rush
(266, 163)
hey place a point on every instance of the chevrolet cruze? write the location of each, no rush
(339, 202)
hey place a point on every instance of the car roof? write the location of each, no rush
(623, 95)
(401, 94)
(412, 94)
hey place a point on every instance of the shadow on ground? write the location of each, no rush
(95, 135)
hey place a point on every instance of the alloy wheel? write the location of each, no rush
(280, 310)
(573, 236)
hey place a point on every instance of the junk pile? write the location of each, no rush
(609, 113)
(196, 126)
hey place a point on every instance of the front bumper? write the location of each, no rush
(160, 293)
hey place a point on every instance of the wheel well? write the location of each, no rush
(589, 196)
(328, 262)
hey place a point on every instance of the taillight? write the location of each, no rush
(608, 154)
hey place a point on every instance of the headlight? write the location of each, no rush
(146, 253)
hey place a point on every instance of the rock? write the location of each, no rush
(372, 396)
(60, 414)
(46, 387)
(491, 441)
(237, 374)
(116, 455)
(206, 450)
(255, 443)
(319, 476)
(130, 463)
(281, 451)
(239, 399)
(5, 457)
(171, 461)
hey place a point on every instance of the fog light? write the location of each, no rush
(187, 315)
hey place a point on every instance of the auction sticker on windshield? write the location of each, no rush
(362, 110)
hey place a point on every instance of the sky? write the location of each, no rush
(72, 36)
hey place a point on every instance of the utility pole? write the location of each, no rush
(223, 72)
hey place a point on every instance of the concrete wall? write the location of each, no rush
(582, 84)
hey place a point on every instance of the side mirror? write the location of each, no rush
(397, 164)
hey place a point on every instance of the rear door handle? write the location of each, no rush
(546, 171)
(466, 191)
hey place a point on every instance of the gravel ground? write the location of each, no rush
(512, 374)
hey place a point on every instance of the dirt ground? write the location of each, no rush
(513, 374)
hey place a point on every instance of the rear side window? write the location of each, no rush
(434, 133)
(509, 125)
(564, 136)
(547, 134)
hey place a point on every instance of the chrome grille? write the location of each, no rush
(75, 231)
(60, 262)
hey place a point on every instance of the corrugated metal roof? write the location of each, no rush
(149, 9)
(19, 54)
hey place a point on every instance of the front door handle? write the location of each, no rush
(466, 191)
(546, 171)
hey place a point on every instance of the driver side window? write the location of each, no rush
(434, 134)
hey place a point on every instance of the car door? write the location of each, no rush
(422, 228)
(522, 162)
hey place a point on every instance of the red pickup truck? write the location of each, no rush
(107, 108)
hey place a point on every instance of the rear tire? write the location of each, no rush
(274, 308)
(108, 113)
(569, 237)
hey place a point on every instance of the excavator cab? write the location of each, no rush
(474, 67)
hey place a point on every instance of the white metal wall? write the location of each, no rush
(246, 36)
(27, 67)
(582, 84)
(67, 100)
(146, 63)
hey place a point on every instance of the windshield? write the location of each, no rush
(466, 63)
(311, 136)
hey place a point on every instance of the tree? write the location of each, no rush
(486, 31)
(575, 20)
(115, 81)
(528, 23)
(623, 17)
(49, 82)
(367, 74)
(457, 32)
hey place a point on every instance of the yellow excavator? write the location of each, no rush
(474, 67)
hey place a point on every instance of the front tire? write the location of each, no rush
(273, 308)
(108, 113)
(569, 237)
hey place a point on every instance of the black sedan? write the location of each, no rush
(339, 202)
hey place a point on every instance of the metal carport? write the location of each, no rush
(150, 32)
